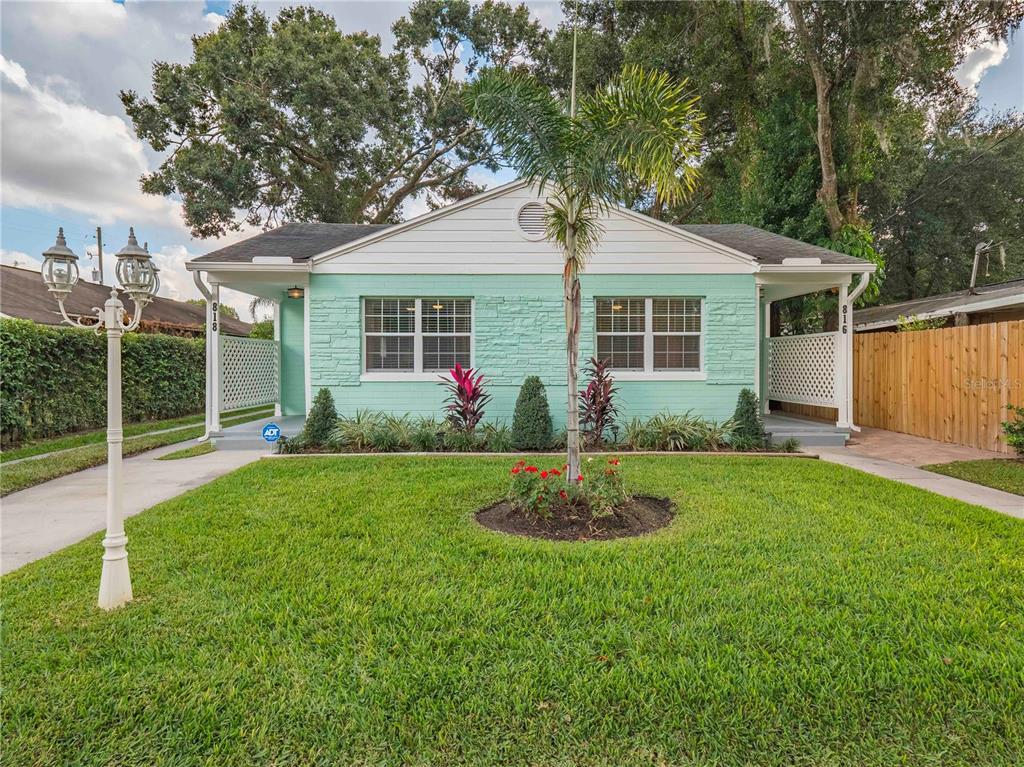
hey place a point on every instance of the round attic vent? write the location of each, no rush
(531, 219)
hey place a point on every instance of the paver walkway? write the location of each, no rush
(897, 456)
(45, 518)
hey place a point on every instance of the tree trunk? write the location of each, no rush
(571, 285)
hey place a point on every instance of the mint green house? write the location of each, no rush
(377, 313)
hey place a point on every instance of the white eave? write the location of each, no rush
(246, 266)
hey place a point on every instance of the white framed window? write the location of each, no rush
(416, 337)
(651, 337)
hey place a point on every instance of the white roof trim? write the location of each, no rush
(490, 194)
(246, 266)
(947, 311)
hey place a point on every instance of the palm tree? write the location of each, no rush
(641, 129)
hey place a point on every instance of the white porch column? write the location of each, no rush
(844, 361)
(305, 338)
(766, 409)
(213, 332)
(277, 340)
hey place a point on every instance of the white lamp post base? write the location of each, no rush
(115, 581)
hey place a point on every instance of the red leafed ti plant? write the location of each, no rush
(597, 403)
(466, 397)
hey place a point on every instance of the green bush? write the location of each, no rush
(54, 379)
(747, 419)
(1014, 429)
(321, 420)
(531, 423)
(459, 441)
(497, 438)
(426, 435)
(356, 433)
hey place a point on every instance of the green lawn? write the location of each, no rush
(203, 448)
(18, 476)
(349, 611)
(1001, 473)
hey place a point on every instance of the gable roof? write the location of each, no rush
(999, 294)
(23, 295)
(766, 247)
(300, 241)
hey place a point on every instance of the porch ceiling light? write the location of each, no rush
(296, 292)
(136, 272)
(60, 267)
(439, 306)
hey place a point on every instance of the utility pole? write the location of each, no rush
(99, 251)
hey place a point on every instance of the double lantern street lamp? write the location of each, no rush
(139, 279)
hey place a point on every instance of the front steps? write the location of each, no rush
(807, 432)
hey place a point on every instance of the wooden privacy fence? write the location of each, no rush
(949, 384)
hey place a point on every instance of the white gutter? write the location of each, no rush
(209, 297)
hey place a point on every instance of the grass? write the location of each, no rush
(1001, 473)
(350, 611)
(18, 476)
(99, 436)
(203, 448)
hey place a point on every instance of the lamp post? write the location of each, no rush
(138, 278)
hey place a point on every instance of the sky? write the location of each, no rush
(68, 155)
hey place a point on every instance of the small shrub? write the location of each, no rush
(461, 441)
(716, 436)
(747, 419)
(745, 445)
(426, 435)
(544, 492)
(289, 445)
(321, 420)
(1013, 429)
(355, 433)
(790, 445)
(497, 438)
(466, 398)
(401, 428)
(639, 435)
(597, 403)
(531, 423)
(674, 432)
(384, 439)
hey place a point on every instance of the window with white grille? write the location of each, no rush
(531, 219)
(653, 335)
(417, 335)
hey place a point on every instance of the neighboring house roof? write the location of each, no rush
(995, 296)
(23, 295)
(302, 241)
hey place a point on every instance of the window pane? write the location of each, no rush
(620, 315)
(389, 315)
(622, 352)
(447, 315)
(675, 315)
(442, 352)
(389, 353)
(677, 352)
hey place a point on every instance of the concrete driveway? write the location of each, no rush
(46, 518)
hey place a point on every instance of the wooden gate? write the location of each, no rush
(949, 384)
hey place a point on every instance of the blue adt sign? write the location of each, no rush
(271, 432)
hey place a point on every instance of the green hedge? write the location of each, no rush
(54, 379)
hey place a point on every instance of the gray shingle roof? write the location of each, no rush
(947, 303)
(764, 246)
(302, 241)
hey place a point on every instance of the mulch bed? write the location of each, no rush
(642, 514)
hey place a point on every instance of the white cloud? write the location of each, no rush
(214, 19)
(62, 154)
(17, 258)
(978, 61)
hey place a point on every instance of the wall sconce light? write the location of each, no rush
(296, 292)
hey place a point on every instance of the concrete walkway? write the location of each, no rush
(46, 518)
(997, 500)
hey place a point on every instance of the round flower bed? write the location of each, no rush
(544, 503)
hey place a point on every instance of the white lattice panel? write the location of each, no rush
(802, 369)
(248, 372)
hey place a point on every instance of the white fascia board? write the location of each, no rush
(412, 223)
(817, 268)
(245, 266)
(947, 311)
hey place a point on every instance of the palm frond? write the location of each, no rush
(526, 121)
(647, 124)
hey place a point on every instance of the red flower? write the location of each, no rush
(556, 472)
(613, 461)
(543, 475)
(563, 494)
(515, 470)
(521, 462)
(579, 478)
(531, 469)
